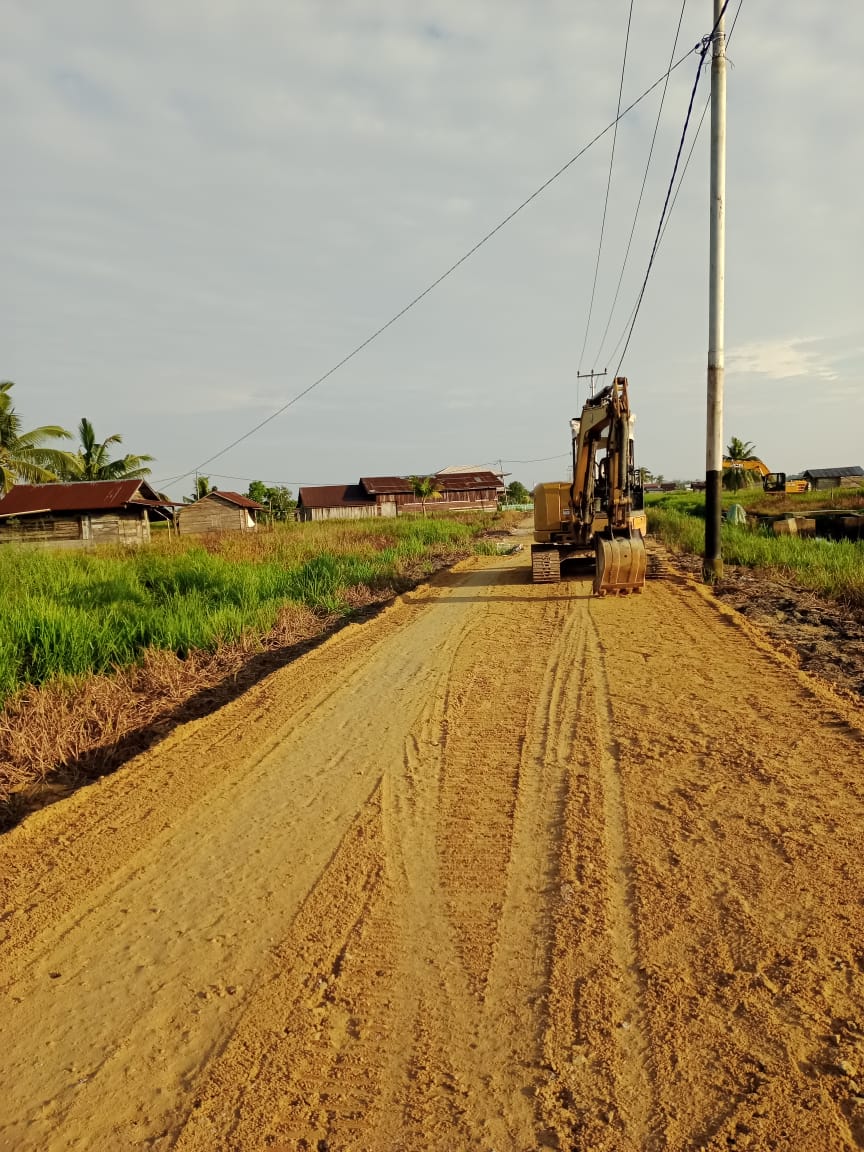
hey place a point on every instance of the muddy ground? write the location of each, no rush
(826, 638)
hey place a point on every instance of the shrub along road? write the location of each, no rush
(507, 867)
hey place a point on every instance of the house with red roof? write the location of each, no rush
(473, 491)
(81, 514)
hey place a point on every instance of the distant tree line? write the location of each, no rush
(278, 501)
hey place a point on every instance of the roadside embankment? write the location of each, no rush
(102, 654)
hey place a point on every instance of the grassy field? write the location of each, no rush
(831, 568)
(72, 614)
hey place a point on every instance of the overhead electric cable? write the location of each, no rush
(696, 134)
(703, 52)
(609, 183)
(253, 479)
(597, 359)
(698, 129)
(536, 459)
(444, 275)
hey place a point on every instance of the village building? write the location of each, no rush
(80, 514)
(824, 478)
(218, 511)
(477, 491)
(340, 502)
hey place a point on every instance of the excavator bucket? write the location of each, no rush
(621, 563)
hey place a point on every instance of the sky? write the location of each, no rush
(207, 204)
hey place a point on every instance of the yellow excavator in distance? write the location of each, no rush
(600, 513)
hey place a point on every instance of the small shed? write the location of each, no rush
(340, 502)
(80, 514)
(218, 511)
(823, 478)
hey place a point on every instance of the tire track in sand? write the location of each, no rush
(454, 1079)
(636, 1088)
(515, 1015)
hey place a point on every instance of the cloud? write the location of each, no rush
(218, 191)
(785, 359)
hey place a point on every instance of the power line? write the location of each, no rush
(703, 52)
(536, 460)
(707, 105)
(608, 183)
(698, 128)
(444, 275)
(253, 479)
(642, 189)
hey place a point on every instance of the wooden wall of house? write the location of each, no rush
(78, 530)
(212, 516)
(356, 512)
(40, 530)
(117, 528)
(473, 500)
(824, 483)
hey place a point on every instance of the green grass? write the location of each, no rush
(831, 568)
(74, 614)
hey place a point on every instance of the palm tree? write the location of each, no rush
(425, 488)
(738, 452)
(202, 488)
(92, 460)
(23, 456)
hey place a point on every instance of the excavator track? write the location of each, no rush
(545, 564)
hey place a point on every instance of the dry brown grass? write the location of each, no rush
(64, 734)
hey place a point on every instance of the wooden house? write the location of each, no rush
(393, 495)
(340, 502)
(476, 491)
(218, 511)
(824, 478)
(80, 514)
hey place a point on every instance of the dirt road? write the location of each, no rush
(506, 868)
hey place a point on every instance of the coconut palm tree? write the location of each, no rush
(425, 488)
(203, 488)
(92, 461)
(737, 453)
(23, 455)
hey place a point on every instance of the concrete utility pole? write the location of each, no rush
(592, 375)
(712, 564)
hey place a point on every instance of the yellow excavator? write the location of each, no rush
(600, 513)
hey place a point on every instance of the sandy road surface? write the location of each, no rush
(506, 868)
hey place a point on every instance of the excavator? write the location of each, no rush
(599, 515)
(771, 481)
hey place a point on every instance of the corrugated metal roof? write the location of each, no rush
(333, 496)
(80, 496)
(464, 481)
(385, 485)
(461, 469)
(829, 473)
(236, 498)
